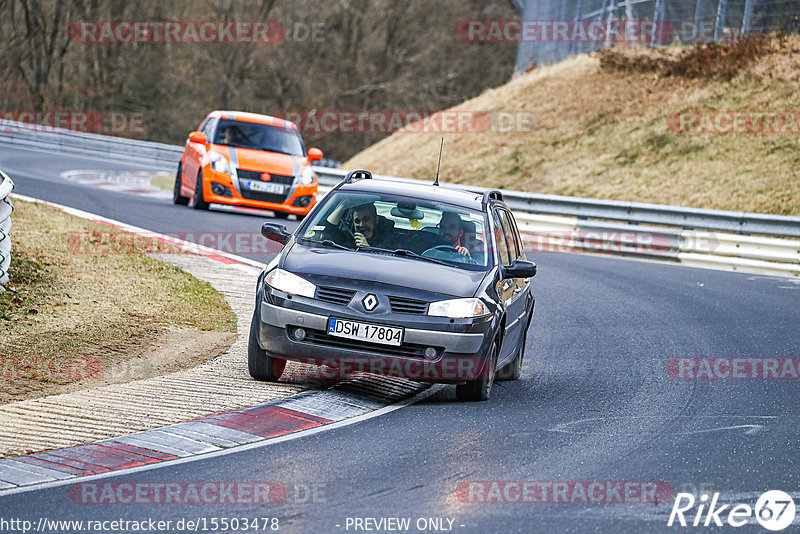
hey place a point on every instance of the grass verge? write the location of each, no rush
(72, 319)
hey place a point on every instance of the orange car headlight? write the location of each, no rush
(219, 163)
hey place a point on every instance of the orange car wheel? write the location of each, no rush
(199, 201)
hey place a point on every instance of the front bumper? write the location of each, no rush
(236, 198)
(459, 355)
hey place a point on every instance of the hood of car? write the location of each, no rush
(411, 276)
(260, 160)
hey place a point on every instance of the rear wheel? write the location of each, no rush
(480, 389)
(260, 365)
(198, 201)
(177, 198)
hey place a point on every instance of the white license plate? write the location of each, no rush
(264, 187)
(374, 333)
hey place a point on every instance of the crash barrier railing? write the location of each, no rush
(116, 149)
(750, 242)
(159, 156)
(724, 239)
(6, 207)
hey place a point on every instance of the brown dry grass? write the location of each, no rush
(71, 320)
(602, 130)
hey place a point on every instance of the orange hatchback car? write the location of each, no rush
(246, 159)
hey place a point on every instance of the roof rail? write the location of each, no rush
(359, 174)
(492, 194)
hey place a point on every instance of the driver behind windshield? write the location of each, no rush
(451, 232)
(231, 136)
(371, 230)
(368, 228)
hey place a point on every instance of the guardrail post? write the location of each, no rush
(748, 13)
(658, 23)
(720, 24)
(699, 8)
(6, 207)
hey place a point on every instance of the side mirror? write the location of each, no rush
(314, 154)
(520, 269)
(198, 137)
(275, 232)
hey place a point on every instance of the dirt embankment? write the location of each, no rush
(711, 126)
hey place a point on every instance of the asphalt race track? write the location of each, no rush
(601, 407)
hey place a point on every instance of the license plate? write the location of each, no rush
(373, 333)
(264, 187)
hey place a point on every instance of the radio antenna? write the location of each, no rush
(438, 166)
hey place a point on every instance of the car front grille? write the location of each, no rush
(256, 175)
(404, 305)
(408, 350)
(275, 198)
(335, 295)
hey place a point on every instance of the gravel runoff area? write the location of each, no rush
(104, 412)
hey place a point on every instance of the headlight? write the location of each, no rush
(307, 176)
(458, 308)
(219, 163)
(290, 283)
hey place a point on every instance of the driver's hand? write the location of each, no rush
(462, 250)
(361, 241)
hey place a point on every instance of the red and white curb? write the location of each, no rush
(206, 437)
(344, 403)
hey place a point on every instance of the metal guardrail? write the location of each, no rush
(627, 212)
(116, 149)
(6, 207)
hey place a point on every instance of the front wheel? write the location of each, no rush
(260, 365)
(177, 198)
(481, 388)
(198, 201)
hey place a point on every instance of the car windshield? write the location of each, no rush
(390, 224)
(259, 137)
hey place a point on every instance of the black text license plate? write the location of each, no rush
(373, 333)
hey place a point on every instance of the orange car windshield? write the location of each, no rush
(259, 137)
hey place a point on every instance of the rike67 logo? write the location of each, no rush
(774, 510)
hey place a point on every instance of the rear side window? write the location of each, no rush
(512, 234)
(502, 240)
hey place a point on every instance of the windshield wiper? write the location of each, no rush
(328, 243)
(402, 252)
(406, 252)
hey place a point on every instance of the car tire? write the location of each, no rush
(260, 365)
(480, 389)
(281, 214)
(198, 201)
(177, 198)
(513, 369)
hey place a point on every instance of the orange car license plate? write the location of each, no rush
(264, 187)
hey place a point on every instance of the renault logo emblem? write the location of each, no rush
(370, 302)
